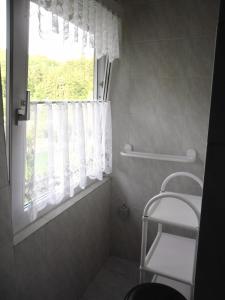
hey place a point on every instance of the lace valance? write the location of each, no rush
(98, 25)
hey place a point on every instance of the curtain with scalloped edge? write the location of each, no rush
(71, 146)
(99, 26)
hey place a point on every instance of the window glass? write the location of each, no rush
(58, 71)
(3, 52)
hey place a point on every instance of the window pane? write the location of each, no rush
(3, 52)
(59, 70)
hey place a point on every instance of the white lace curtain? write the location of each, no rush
(70, 145)
(99, 26)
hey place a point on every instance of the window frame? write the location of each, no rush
(103, 78)
(18, 80)
(6, 116)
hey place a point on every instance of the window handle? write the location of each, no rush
(23, 113)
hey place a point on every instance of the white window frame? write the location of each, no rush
(8, 91)
(18, 74)
(102, 78)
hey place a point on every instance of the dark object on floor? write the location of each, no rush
(153, 291)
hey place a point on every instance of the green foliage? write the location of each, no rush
(3, 78)
(3, 70)
(54, 80)
(71, 80)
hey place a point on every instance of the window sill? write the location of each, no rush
(37, 224)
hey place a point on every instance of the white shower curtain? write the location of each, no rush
(68, 145)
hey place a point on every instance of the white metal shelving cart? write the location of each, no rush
(171, 257)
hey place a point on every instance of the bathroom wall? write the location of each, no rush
(160, 96)
(59, 260)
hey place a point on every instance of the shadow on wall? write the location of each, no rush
(160, 104)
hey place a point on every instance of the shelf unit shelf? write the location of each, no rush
(173, 257)
(172, 211)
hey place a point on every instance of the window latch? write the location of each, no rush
(23, 113)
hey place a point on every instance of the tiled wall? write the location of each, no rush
(160, 103)
(59, 260)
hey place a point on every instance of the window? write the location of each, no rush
(3, 54)
(58, 71)
(103, 78)
(61, 132)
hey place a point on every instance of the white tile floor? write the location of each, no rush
(113, 281)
